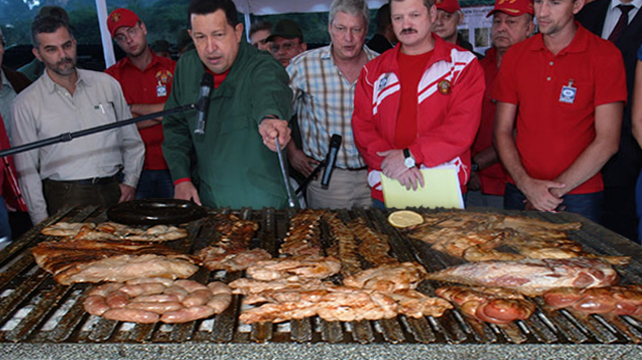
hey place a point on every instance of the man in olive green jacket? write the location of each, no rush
(236, 164)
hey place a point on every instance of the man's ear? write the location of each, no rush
(36, 53)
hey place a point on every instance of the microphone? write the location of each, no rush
(203, 104)
(331, 159)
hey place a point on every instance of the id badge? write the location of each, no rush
(568, 93)
(161, 91)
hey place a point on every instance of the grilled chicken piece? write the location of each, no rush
(299, 267)
(244, 286)
(492, 305)
(217, 258)
(345, 243)
(618, 300)
(413, 303)
(96, 261)
(114, 231)
(231, 252)
(388, 278)
(374, 246)
(531, 277)
(304, 235)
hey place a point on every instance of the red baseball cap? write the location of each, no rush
(119, 18)
(449, 6)
(513, 7)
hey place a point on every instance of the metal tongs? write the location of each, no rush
(283, 173)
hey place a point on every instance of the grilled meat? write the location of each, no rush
(297, 267)
(304, 235)
(388, 278)
(373, 246)
(231, 252)
(531, 277)
(345, 243)
(618, 300)
(95, 261)
(492, 305)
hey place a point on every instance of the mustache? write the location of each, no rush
(408, 31)
(65, 60)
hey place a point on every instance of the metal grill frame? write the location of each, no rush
(31, 286)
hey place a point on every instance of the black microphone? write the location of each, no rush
(203, 104)
(331, 159)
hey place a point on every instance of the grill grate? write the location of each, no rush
(35, 309)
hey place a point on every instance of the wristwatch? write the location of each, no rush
(409, 160)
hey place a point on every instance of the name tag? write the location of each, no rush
(568, 93)
(161, 91)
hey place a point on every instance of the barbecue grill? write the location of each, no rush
(42, 319)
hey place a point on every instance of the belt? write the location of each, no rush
(90, 181)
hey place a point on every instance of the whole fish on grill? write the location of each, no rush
(531, 277)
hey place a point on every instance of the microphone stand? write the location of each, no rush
(72, 135)
(308, 179)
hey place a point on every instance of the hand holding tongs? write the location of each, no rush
(286, 180)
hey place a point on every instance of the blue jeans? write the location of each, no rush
(5, 228)
(587, 205)
(155, 184)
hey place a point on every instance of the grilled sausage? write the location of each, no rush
(131, 315)
(143, 289)
(198, 298)
(116, 299)
(156, 307)
(220, 302)
(187, 314)
(95, 305)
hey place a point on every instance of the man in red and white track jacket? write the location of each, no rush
(417, 105)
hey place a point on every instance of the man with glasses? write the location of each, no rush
(146, 79)
(287, 41)
(259, 33)
(323, 81)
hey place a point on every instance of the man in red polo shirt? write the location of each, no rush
(146, 79)
(563, 91)
(417, 105)
(512, 23)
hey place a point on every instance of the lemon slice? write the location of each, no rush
(405, 218)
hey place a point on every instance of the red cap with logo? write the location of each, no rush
(449, 6)
(119, 18)
(513, 7)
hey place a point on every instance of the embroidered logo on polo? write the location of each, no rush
(164, 76)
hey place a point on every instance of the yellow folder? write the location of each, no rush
(441, 189)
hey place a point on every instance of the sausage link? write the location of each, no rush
(95, 305)
(116, 299)
(220, 302)
(161, 298)
(131, 315)
(187, 314)
(198, 298)
(189, 285)
(156, 307)
(143, 289)
(105, 289)
(218, 287)
(177, 291)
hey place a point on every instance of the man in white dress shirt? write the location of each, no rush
(85, 171)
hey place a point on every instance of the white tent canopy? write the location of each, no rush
(270, 7)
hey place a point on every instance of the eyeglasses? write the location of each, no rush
(286, 46)
(129, 33)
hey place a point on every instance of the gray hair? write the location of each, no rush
(352, 7)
